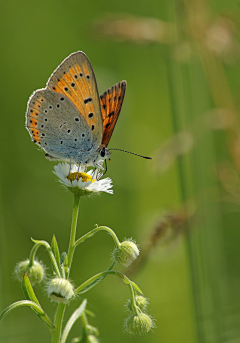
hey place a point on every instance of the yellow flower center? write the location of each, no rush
(85, 177)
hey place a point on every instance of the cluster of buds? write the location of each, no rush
(139, 322)
(59, 289)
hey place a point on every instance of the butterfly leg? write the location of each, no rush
(97, 165)
(78, 170)
(94, 175)
(105, 170)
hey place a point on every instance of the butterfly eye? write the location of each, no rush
(102, 152)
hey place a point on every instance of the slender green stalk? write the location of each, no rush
(72, 245)
(84, 320)
(32, 255)
(85, 325)
(99, 228)
(56, 334)
(86, 284)
(51, 255)
(136, 310)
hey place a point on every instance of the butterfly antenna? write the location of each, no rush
(105, 167)
(129, 152)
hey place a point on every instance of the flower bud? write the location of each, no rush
(92, 339)
(141, 302)
(139, 324)
(60, 290)
(92, 330)
(35, 272)
(126, 253)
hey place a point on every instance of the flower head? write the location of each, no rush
(82, 182)
(126, 252)
(35, 272)
(139, 323)
(141, 303)
(60, 290)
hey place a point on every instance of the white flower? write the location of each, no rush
(84, 181)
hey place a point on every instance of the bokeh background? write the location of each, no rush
(181, 63)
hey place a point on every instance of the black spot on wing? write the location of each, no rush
(111, 114)
(87, 100)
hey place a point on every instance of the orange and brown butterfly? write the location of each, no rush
(68, 119)
(111, 104)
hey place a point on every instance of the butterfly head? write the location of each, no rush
(104, 153)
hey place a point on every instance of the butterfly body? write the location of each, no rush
(68, 119)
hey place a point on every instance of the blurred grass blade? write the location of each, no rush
(193, 91)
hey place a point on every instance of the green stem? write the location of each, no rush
(72, 244)
(87, 283)
(135, 308)
(56, 334)
(99, 228)
(85, 322)
(51, 254)
(32, 254)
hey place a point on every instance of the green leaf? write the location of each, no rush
(95, 282)
(91, 285)
(84, 287)
(37, 308)
(55, 250)
(76, 314)
(64, 264)
(30, 295)
(64, 258)
(89, 313)
(136, 287)
(28, 290)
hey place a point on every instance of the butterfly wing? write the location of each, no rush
(75, 79)
(111, 104)
(55, 124)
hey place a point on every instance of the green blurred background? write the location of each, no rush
(181, 77)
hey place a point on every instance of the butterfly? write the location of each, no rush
(68, 119)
